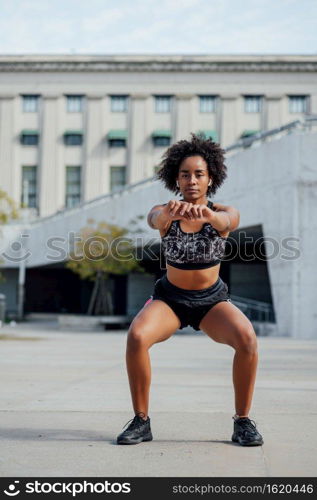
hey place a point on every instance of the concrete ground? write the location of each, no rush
(65, 396)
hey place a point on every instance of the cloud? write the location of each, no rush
(149, 26)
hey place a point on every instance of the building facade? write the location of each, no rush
(73, 128)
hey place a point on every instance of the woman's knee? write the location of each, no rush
(136, 336)
(246, 339)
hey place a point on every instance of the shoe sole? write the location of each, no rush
(148, 437)
(247, 443)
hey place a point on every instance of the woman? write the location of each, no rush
(194, 232)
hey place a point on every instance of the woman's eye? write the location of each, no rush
(198, 175)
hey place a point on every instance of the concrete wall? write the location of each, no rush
(9, 287)
(272, 184)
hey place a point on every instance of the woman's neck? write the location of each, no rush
(199, 201)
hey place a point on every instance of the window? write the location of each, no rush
(252, 103)
(161, 137)
(29, 137)
(73, 186)
(117, 143)
(119, 103)
(73, 138)
(297, 103)
(207, 104)
(117, 178)
(161, 141)
(209, 134)
(162, 104)
(30, 103)
(74, 103)
(117, 138)
(29, 184)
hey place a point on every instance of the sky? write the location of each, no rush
(158, 27)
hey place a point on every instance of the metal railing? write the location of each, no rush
(254, 309)
(306, 123)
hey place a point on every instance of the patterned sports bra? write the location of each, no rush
(199, 250)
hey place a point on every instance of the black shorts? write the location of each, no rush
(190, 305)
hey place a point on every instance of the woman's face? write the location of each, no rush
(193, 177)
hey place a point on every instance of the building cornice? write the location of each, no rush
(159, 63)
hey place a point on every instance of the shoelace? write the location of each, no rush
(247, 424)
(135, 421)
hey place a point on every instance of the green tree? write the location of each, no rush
(102, 250)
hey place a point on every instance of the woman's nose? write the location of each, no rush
(192, 179)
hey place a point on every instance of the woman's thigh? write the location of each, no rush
(154, 323)
(226, 323)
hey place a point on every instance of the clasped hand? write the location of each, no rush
(188, 211)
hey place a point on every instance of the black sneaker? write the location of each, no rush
(246, 433)
(139, 430)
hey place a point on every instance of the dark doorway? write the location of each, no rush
(55, 289)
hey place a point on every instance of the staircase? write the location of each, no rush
(255, 310)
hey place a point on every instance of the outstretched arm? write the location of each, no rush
(156, 219)
(161, 215)
(225, 218)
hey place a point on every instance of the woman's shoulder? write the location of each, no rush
(167, 228)
(214, 205)
(221, 207)
(217, 207)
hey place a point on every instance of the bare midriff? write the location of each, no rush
(192, 279)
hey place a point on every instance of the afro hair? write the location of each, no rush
(199, 145)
